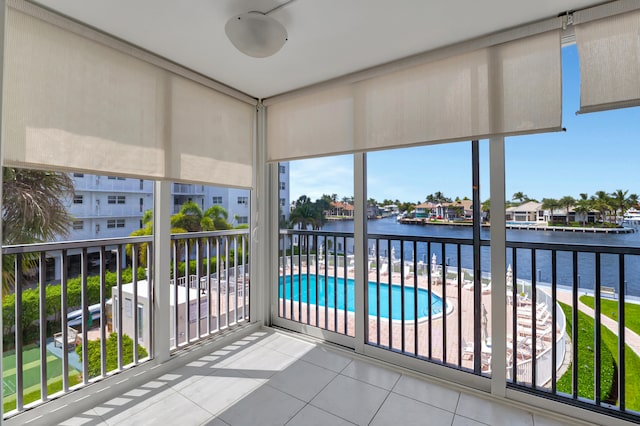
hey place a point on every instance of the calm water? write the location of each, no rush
(586, 262)
(317, 294)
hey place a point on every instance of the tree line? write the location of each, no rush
(607, 205)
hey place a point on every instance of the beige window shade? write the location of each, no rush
(609, 51)
(212, 136)
(498, 90)
(75, 104)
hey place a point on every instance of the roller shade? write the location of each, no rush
(212, 136)
(499, 90)
(609, 51)
(74, 104)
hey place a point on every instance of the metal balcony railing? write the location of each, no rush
(211, 270)
(62, 327)
(75, 312)
(424, 300)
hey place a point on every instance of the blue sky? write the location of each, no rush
(599, 151)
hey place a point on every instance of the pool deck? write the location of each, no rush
(432, 345)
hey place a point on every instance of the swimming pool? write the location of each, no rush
(318, 295)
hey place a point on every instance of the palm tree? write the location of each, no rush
(567, 202)
(632, 201)
(619, 202)
(520, 196)
(218, 216)
(147, 229)
(550, 204)
(583, 207)
(33, 210)
(303, 215)
(602, 203)
(193, 219)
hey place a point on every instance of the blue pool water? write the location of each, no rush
(323, 292)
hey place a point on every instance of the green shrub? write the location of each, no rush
(93, 351)
(31, 301)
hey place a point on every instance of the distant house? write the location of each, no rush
(374, 211)
(462, 209)
(448, 211)
(425, 210)
(389, 210)
(530, 211)
(340, 209)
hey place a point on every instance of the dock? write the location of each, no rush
(526, 227)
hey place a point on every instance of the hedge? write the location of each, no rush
(213, 264)
(93, 351)
(31, 298)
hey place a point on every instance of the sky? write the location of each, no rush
(598, 151)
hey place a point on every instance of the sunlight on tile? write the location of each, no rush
(209, 358)
(118, 402)
(170, 377)
(137, 392)
(154, 384)
(101, 410)
(196, 364)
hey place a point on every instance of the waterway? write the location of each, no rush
(586, 262)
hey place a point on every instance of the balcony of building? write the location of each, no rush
(190, 327)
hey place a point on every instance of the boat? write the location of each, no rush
(631, 217)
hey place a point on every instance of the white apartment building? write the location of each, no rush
(283, 190)
(110, 206)
(107, 206)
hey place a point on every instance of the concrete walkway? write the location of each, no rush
(630, 337)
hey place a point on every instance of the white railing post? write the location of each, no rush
(3, 9)
(498, 268)
(360, 247)
(264, 235)
(161, 270)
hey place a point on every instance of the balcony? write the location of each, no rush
(83, 91)
(264, 376)
(187, 189)
(453, 326)
(51, 315)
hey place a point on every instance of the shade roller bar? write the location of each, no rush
(609, 51)
(74, 104)
(494, 91)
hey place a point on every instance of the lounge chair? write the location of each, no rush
(72, 338)
(486, 288)
(524, 300)
(384, 269)
(467, 350)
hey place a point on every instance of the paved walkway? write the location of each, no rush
(630, 337)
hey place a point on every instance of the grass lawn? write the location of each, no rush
(609, 308)
(609, 355)
(31, 375)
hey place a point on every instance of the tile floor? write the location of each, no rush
(270, 378)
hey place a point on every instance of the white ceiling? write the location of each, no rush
(327, 38)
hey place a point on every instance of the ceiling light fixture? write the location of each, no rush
(256, 34)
